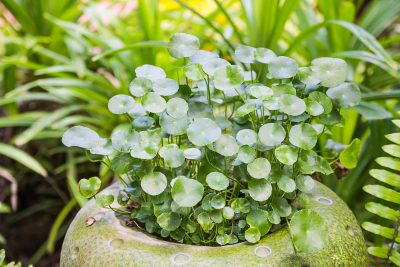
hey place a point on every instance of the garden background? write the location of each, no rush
(60, 62)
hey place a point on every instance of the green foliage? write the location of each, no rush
(48, 61)
(89, 187)
(230, 163)
(385, 210)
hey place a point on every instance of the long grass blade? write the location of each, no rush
(23, 158)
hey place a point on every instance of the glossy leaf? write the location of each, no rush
(308, 230)
(349, 156)
(286, 154)
(271, 134)
(228, 77)
(259, 189)
(203, 131)
(346, 95)
(89, 187)
(183, 45)
(282, 67)
(169, 221)
(154, 183)
(259, 168)
(217, 181)
(330, 71)
(187, 192)
(303, 136)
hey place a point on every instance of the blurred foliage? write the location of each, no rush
(62, 60)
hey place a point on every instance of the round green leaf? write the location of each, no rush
(120, 104)
(246, 108)
(228, 213)
(308, 230)
(102, 147)
(228, 77)
(283, 89)
(264, 55)
(307, 77)
(147, 146)
(273, 217)
(202, 56)
(165, 87)
(322, 99)
(187, 192)
(143, 122)
(203, 131)
(330, 71)
(245, 54)
(194, 72)
(313, 107)
(217, 181)
(259, 168)
(286, 154)
(282, 207)
(303, 136)
(165, 147)
(89, 187)
(349, 156)
(252, 235)
(226, 145)
(259, 189)
(139, 86)
(261, 92)
(223, 239)
(154, 103)
(258, 218)
(271, 134)
(173, 126)
(80, 136)
(246, 154)
(136, 110)
(271, 104)
(246, 137)
(123, 139)
(286, 184)
(104, 200)
(205, 221)
(174, 157)
(282, 68)
(211, 65)
(154, 183)
(206, 202)
(291, 105)
(346, 95)
(192, 153)
(183, 45)
(150, 72)
(241, 205)
(310, 162)
(169, 221)
(217, 202)
(305, 183)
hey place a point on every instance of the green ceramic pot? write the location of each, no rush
(108, 242)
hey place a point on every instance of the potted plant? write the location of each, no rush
(216, 167)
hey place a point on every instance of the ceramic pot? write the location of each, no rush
(108, 242)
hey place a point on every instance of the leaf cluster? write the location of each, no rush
(219, 157)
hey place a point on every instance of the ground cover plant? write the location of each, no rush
(216, 157)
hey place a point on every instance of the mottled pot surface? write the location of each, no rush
(107, 242)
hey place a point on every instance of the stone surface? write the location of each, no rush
(108, 243)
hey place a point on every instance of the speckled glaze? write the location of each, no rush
(107, 242)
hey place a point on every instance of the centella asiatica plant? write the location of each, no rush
(219, 157)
